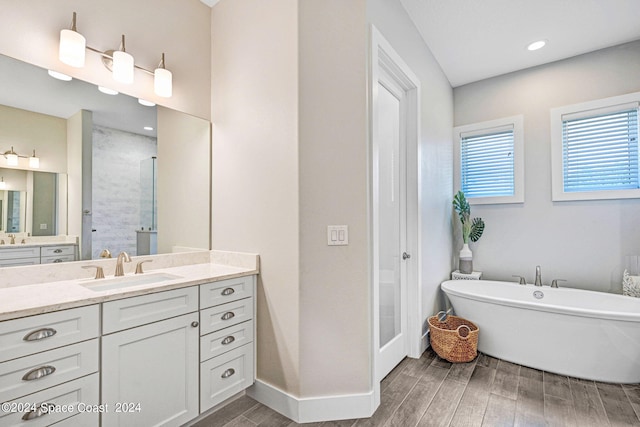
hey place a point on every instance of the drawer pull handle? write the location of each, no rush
(228, 315)
(37, 373)
(40, 334)
(228, 340)
(228, 291)
(194, 324)
(57, 251)
(42, 409)
(57, 260)
(228, 373)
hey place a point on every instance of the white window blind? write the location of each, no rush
(600, 151)
(487, 163)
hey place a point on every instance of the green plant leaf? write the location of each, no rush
(477, 228)
(461, 205)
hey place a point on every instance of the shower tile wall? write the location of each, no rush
(116, 188)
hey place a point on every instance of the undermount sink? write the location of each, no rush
(127, 281)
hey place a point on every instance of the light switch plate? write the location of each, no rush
(337, 235)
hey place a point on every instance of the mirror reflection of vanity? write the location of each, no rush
(95, 152)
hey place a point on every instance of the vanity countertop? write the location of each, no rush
(27, 300)
(19, 245)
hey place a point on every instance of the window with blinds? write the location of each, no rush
(487, 163)
(594, 149)
(600, 151)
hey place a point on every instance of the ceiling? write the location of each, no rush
(28, 87)
(476, 39)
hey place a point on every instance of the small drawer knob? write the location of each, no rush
(195, 324)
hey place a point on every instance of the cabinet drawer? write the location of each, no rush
(56, 259)
(19, 262)
(58, 250)
(224, 376)
(224, 291)
(29, 374)
(225, 315)
(131, 312)
(20, 252)
(83, 390)
(29, 335)
(226, 339)
(84, 419)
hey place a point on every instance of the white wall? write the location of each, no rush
(30, 32)
(335, 349)
(435, 150)
(26, 131)
(584, 242)
(255, 191)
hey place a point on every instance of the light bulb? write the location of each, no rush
(122, 67)
(163, 82)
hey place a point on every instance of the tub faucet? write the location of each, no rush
(122, 256)
(538, 281)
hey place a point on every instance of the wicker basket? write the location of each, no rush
(455, 339)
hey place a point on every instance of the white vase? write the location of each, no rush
(466, 260)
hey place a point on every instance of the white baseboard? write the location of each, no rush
(314, 409)
(424, 342)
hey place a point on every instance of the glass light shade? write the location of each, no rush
(59, 76)
(12, 159)
(122, 67)
(163, 82)
(107, 91)
(72, 48)
(3, 185)
(537, 45)
(34, 162)
(146, 103)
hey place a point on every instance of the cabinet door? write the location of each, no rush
(152, 372)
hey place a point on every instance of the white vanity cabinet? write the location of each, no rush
(150, 359)
(49, 358)
(17, 255)
(227, 350)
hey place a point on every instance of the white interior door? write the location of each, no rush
(390, 188)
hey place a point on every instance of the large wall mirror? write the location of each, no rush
(114, 172)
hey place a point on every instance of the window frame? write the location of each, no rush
(611, 104)
(517, 122)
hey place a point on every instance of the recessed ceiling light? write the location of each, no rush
(59, 76)
(107, 91)
(148, 128)
(145, 102)
(536, 45)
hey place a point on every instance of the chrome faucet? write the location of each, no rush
(122, 256)
(13, 238)
(538, 281)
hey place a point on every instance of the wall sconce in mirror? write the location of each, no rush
(3, 185)
(12, 159)
(72, 51)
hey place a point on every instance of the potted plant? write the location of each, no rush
(472, 229)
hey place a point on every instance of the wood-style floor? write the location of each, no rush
(486, 392)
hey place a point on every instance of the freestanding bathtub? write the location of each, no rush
(583, 334)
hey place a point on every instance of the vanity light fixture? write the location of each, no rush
(122, 65)
(146, 103)
(536, 45)
(59, 76)
(34, 162)
(3, 185)
(148, 128)
(119, 62)
(12, 159)
(72, 46)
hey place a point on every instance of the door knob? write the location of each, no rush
(405, 255)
